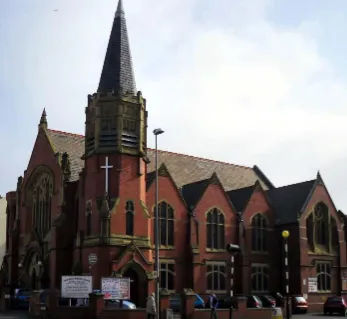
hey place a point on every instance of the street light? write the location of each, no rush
(157, 132)
(285, 235)
(232, 250)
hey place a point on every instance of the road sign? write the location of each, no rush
(92, 259)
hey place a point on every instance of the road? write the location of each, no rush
(14, 315)
(23, 314)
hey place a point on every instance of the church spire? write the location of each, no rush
(43, 121)
(117, 72)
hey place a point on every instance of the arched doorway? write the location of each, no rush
(134, 284)
(138, 283)
(34, 280)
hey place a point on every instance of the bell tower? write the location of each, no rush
(116, 116)
(116, 146)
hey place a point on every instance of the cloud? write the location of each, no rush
(223, 81)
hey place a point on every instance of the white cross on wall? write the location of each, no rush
(106, 167)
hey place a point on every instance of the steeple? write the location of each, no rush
(117, 72)
(43, 121)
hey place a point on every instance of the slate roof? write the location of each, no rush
(117, 72)
(193, 192)
(239, 197)
(73, 144)
(287, 201)
(184, 169)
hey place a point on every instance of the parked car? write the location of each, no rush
(299, 304)
(175, 302)
(126, 304)
(21, 298)
(335, 304)
(268, 301)
(252, 302)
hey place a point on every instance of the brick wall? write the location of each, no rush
(97, 309)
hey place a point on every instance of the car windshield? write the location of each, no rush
(24, 292)
(300, 299)
(257, 299)
(334, 299)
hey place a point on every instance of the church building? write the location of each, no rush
(85, 205)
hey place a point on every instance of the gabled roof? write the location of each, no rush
(194, 191)
(73, 144)
(184, 169)
(240, 197)
(288, 201)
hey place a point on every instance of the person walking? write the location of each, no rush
(213, 303)
(151, 308)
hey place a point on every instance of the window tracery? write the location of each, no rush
(215, 229)
(42, 202)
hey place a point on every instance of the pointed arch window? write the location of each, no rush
(89, 218)
(42, 203)
(129, 218)
(259, 237)
(323, 276)
(215, 277)
(166, 224)
(321, 218)
(334, 234)
(167, 275)
(215, 223)
(260, 278)
(310, 232)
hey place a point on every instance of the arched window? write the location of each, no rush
(321, 218)
(215, 277)
(259, 233)
(310, 232)
(334, 234)
(215, 229)
(166, 224)
(324, 276)
(129, 217)
(167, 276)
(260, 278)
(89, 218)
(42, 202)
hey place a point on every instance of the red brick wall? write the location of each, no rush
(180, 252)
(258, 203)
(214, 196)
(264, 313)
(42, 155)
(307, 261)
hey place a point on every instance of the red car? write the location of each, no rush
(299, 304)
(335, 304)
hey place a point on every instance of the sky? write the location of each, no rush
(250, 82)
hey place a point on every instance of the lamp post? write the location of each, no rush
(157, 132)
(285, 235)
(232, 250)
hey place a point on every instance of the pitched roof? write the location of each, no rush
(193, 192)
(117, 72)
(73, 144)
(184, 169)
(239, 197)
(288, 201)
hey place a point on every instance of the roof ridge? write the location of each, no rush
(294, 184)
(167, 152)
(66, 133)
(201, 158)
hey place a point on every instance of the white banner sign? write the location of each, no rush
(312, 284)
(115, 288)
(76, 286)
